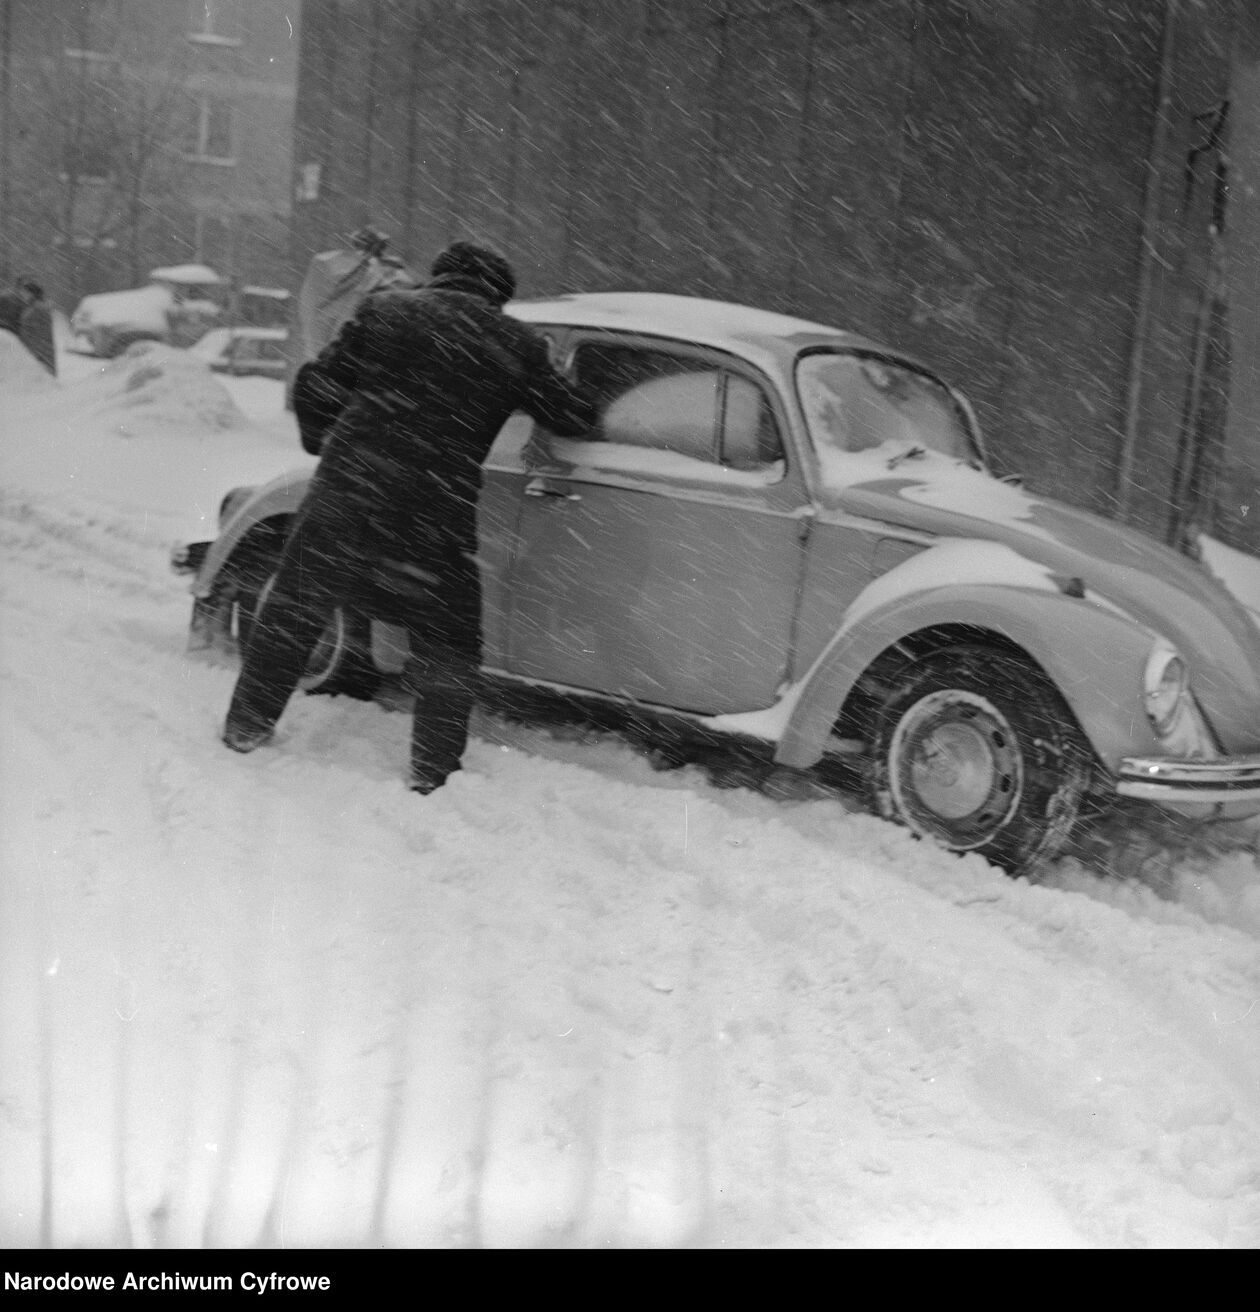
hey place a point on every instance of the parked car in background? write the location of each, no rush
(179, 304)
(263, 307)
(786, 537)
(261, 352)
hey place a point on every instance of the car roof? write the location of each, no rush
(720, 324)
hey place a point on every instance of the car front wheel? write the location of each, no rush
(974, 749)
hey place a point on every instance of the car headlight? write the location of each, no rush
(1171, 708)
(1165, 685)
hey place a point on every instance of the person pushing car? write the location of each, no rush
(403, 407)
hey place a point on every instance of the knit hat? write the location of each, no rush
(465, 259)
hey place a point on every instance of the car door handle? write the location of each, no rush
(550, 487)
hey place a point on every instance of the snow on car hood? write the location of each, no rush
(1157, 586)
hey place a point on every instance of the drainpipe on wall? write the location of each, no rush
(1146, 265)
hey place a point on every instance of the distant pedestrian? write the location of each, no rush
(412, 393)
(35, 327)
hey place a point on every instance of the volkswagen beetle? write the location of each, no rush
(783, 533)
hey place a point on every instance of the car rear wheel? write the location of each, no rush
(974, 749)
(342, 660)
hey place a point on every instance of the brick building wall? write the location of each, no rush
(996, 185)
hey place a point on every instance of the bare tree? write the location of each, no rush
(97, 130)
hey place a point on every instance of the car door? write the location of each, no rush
(659, 560)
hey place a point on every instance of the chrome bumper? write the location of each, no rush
(1229, 779)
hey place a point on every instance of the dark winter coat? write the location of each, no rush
(36, 332)
(407, 401)
(11, 307)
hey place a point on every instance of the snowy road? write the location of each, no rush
(566, 1001)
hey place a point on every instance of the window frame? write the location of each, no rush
(203, 103)
(725, 363)
(96, 83)
(100, 26)
(216, 15)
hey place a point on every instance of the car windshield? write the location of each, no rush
(856, 403)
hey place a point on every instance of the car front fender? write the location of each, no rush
(1094, 654)
(279, 498)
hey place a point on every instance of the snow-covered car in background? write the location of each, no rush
(245, 352)
(177, 306)
(783, 535)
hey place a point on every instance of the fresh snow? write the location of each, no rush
(566, 1001)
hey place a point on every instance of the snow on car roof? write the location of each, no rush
(137, 307)
(197, 274)
(691, 318)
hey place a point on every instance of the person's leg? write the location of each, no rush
(282, 637)
(444, 694)
(443, 673)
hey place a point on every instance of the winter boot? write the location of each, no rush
(245, 740)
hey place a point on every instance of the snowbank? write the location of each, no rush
(153, 430)
(150, 388)
(162, 386)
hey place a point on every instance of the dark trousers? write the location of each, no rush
(438, 603)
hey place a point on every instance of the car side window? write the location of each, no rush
(694, 408)
(750, 436)
(651, 399)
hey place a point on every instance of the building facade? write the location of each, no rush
(997, 185)
(140, 133)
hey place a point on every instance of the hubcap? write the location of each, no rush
(327, 650)
(955, 769)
